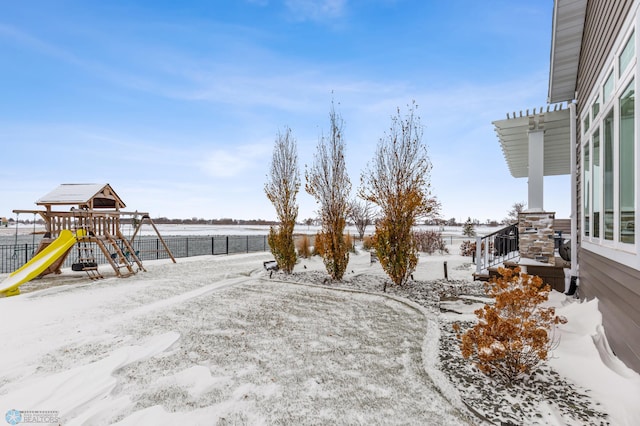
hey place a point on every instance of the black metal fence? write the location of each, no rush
(13, 256)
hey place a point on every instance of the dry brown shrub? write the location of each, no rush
(282, 246)
(367, 242)
(396, 249)
(318, 245)
(303, 244)
(350, 242)
(514, 334)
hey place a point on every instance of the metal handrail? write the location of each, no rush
(497, 247)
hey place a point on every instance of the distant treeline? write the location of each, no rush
(164, 220)
(224, 221)
(229, 221)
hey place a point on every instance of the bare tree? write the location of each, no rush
(329, 184)
(361, 215)
(434, 210)
(283, 183)
(398, 182)
(512, 215)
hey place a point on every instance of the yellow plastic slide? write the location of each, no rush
(39, 262)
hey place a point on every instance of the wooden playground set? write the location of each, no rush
(93, 222)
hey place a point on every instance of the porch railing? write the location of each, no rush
(496, 248)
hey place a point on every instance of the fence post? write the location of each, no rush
(213, 246)
(478, 254)
(187, 246)
(26, 253)
(157, 248)
(227, 245)
(247, 244)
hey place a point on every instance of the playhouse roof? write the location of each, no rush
(91, 195)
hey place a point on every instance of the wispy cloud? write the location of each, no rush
(167, 100)
(258, 2)
(231, 162)
(25, 39)
(316, 10)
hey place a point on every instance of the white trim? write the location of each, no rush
(536, 170)
(623, 257)
(566, 36)
(574, 198)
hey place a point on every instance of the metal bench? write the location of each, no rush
(271, 266)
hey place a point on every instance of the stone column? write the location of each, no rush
(536, 235)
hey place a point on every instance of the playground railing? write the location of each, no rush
(13, 256)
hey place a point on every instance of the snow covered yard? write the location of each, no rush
(213, 340)
(208, 341)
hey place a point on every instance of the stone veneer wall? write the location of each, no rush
(537, 237)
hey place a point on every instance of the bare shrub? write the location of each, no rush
(467, 248)
(512, 336)
(360, 214)
(430, 241)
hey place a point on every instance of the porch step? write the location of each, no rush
(481, 276)
(493, 271)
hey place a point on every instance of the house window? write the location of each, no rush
(607, 89)
(626, 165)
(609, 153)
(607, 190)
(585, 124)
(595, 108)
(596, 183)
(627, 54)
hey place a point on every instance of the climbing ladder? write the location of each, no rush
(87, 259)
(121, 261)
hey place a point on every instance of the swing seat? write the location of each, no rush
(80, 266)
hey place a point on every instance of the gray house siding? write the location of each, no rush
(603, 21)
(616, 286)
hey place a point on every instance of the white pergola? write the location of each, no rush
(535, 145)
(539, 143)
(543, 143)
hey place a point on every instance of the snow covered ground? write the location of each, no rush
(213, 340)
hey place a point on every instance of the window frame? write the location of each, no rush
(594, 118)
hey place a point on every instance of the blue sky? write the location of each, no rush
(177, 104)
